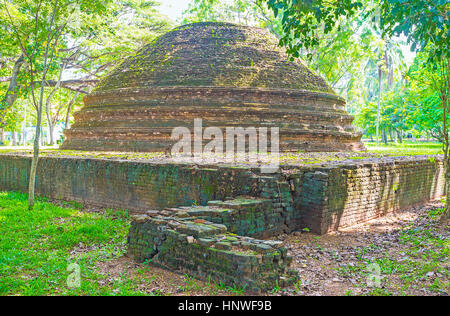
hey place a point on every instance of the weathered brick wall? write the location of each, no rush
(337, 196)
(208, 251)
(321, 198)
(141, 186)
(125, 184)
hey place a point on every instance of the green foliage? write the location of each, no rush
(96, 34)
(424, 22)
(414, 109)
(302, 20)
(254, 13)
(313, 26)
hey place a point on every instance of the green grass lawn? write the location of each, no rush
(36, 247)
(405, 149)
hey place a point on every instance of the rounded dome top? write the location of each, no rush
(213, 55)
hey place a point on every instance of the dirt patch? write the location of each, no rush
(339, 263)
(410, 247)
(153, 280)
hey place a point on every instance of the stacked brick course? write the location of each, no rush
(320, 197)
(206, 250)
(340, 195)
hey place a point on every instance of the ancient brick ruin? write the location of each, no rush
(225, 74)
(216, 221)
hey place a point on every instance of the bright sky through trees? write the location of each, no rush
(174, 8)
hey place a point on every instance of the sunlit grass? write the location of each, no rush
(405, 149)
(37, 246)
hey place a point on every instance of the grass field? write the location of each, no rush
(406, 148)
(36, 247)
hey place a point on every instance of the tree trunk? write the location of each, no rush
(43, 137)
(35, 160)
(14, 138)
(2, 136)
(385, 139)
(51, 128)
(447, 184)
(24, 137)
(400, 137)
(69, 110)
(379, 105)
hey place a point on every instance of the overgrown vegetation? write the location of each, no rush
(406, 148)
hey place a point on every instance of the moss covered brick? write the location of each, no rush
(226, 74)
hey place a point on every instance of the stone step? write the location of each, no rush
(245, 216)
(242, 203)
(184, 245)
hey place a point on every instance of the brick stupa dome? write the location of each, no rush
(226, 74)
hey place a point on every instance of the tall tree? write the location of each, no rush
(87, 49)
(425, 23)
(37, 27)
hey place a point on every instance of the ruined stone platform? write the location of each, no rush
(209, 251)
(216, 220)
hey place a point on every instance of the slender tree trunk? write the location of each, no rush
(446, 171)
(2, 136)
(50, 121)
(35, 160)
(69, 110)
(51, 128)
(24, 137)
(14, 138)
(379, 105)
(446, 156)
(66, 123)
